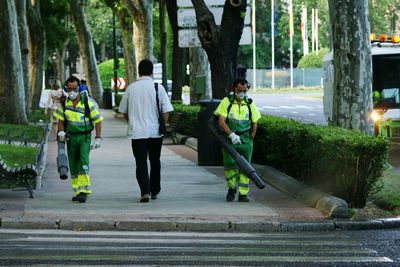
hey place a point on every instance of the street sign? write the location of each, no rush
(188, 3)
(187, 17)
(121, 83)
(189, 37)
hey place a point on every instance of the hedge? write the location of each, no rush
(344, 163)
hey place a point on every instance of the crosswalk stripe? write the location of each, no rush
(181, 248)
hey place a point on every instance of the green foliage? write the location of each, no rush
(389, 197)
(345, 163)
(189, 125)
(17, 131)
(106, 71)
(38, 115)
(15, 156)
(313, 60)
(383, 15)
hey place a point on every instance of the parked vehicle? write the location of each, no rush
(385, 85)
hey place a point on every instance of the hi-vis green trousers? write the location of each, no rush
(232, 174)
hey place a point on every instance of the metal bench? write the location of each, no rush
(173, 126)
(13, 178)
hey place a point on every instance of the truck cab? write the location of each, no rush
(385, 87)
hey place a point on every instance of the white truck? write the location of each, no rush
(385, 87)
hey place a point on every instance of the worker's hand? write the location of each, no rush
(235, 138)
(97, 142)
(61, 136)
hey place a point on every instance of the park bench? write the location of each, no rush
(173, 126)
(14, 178)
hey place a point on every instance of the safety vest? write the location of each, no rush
(78, 119)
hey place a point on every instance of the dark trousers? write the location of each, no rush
(151, 148)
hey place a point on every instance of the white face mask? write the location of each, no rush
(72, 95)
(240, 95)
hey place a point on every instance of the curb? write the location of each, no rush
(198, 226)
(330, 206)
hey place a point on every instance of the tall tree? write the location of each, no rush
(198, 63)
(57, 24)
(221, 43)
(24, 44)
(86, 49)
(141, 12)
(12, 95)
(37, 49)
(177, 62)
(352, 87)
(126, 24)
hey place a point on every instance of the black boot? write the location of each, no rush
(243, 198)
(82, 197)
(230, 196)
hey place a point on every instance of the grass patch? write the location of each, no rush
(389, 197)
(17, 131)
(16, 156)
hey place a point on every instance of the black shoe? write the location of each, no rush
(82, 197)
(230, 196)
(75, 198)
(243, 198)
(154, 196)
(145, 198)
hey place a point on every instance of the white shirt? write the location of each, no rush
(139, 102)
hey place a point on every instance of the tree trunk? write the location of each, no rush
(24, 44)
(60, 65)
(177, 79)
(37, 44)
(221, 43)
(141, 12)
(12, 95)
(352, 87)
(199, 70)
(86, 50)
(127, 44)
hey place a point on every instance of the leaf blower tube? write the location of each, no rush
(62, 161)
(243, 165)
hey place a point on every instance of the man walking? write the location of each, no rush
(238, 116)
(76, 117)
(141, 105)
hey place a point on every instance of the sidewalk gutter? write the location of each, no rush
(330, 206)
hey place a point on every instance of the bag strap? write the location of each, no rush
(158, 102)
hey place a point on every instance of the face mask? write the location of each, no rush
(240, 95)
(72, 95)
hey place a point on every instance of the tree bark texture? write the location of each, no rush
(198, 68)
(60, 58)
(126, 24)
(221, 43)
(12, 95)
(352, 87)
(86, 50)
(177, 79)
(141, 12)
(24, 44)
(37, 49)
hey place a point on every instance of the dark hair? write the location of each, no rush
(145, 67)
(242, 82)
(72, 79)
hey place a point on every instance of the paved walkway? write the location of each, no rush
(192, 197)
(189, 192)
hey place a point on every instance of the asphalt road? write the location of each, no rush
(57, 247)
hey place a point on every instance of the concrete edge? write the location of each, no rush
(197, 225)
(330, 206)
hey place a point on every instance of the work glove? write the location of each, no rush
(235, 138)
(97, 142)
(61, 136)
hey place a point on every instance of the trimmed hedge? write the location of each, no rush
(106, 71)
(341, 162)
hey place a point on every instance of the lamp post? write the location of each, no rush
(115, 56)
